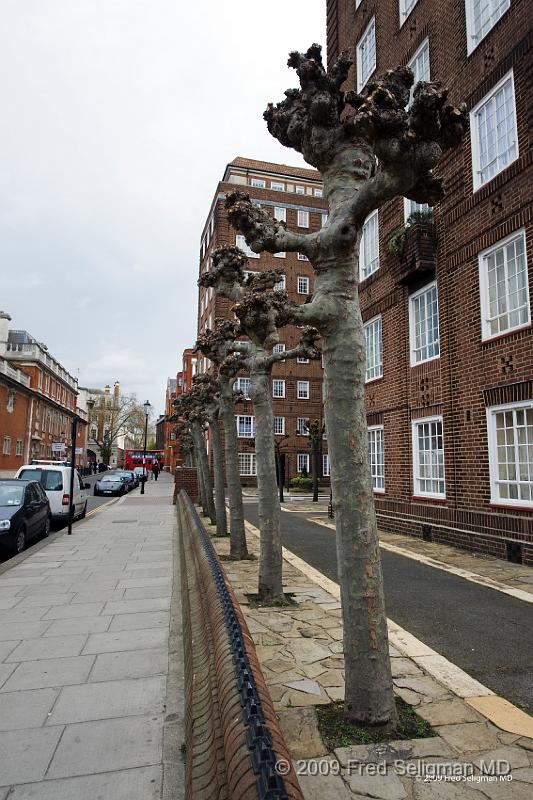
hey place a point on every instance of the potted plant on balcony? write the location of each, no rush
(415, 243)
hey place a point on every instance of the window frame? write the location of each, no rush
(412, 333)
(298, 395)
(299, 469)
(282, 431)
(477, 183)
(367, 325)
(240, 435)
(280, 217)
(360, 82)
(326, 470)
(486, 335)
(308, 283)
(236, 387)
(472, 42)
(277, 186)
(371, 429)
(405, 12)
(302, 214)
(300, 421)
(491, 412)
(417, 491)
(281, 284)
(364, 234)
(246, 249)
(253, 464)
(258, 183)
(283, 386)
(299, 189)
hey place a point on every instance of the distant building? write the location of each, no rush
(104, 407)
(449, 393)
(37, 402)
(294, 195)
(165, 437)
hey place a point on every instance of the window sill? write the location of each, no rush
(425, 361)
(373, 380)
(511, 506)
(429, 498)
(476, 187)
(490, 339)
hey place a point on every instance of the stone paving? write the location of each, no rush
(300, 651)
(90, 703)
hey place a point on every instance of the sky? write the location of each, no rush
(118, 119)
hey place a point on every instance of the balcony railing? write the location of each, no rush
(14, 373)
(33, 352)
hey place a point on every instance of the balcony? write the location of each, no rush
(415, 251)
(15, 374)
(17, 351)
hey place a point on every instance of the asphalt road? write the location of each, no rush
(486, 633)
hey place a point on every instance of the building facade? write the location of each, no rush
(35, 414)
(294, 195)
(447, 302)
(165, 436)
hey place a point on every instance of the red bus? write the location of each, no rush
(134, 458)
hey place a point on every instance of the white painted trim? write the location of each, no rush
(360, 82)
(484, 288)
(493, 454)
(412, 335)
(471, 41)
(414, 440)
(278, 396)
(404, 15)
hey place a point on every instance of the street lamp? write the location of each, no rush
(147, 408)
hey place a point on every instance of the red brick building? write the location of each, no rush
(165, 438)
(449, 348)
(294, 195)
(37, 401)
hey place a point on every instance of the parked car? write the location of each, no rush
(110, 484)
(24, 513)
(141, 472)
(55, 480)
(128, 477)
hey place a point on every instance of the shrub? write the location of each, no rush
(301, 482)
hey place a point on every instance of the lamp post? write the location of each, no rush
(74, 436)
(147, 408)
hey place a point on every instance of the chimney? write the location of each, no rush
(116, 391)
(5, 319)
(107, 389)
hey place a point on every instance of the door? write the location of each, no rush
(33, 508)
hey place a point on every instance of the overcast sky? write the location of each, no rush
(118, 119)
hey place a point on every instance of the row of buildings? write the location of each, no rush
(445, 300)
(39, 399)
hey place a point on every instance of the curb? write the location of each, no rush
(495, 709)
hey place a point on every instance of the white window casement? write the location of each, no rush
(481, 16)
(503, 284)
(240, 242)
(299, 189)
(247, 464)
(281, 254)
(258, 183)
(318, 192)
(279, 348)
(278, 388)
(376, 457)
(493, 132)
(302, 390)
(280, 285)
(324, 219)
(357, 4)
(406, 6)
(424, 324)
(302, 257)
(280, 213)
(6, 450)
(428, 457)
(410, 206)
(279, 426)
(301, 360)
(242, 385)
(276, 186)
(302, 284)
(325, 465)
(366, 54)
(303, 219)
(302, 426)
(369, 247)
(420, 66)
(19, 447)
(510, 435)
(303, 462)
(245, 426)
(374, 349)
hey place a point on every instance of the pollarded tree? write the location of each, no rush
(315, 430)
(182, 434)
(261, 312)
(218, 347)
(369, 148)
(206, 390)
(189, 407)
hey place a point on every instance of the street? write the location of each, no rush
(486, 633)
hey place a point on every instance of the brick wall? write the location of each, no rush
(14, 410)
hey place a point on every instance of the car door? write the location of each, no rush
(44, 506)
(32, 508)
(79, 493)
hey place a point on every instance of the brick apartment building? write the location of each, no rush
(165, 438)
(294, 195)
(450, 375)
(37, 402)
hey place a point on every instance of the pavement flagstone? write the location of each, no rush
(90, 702)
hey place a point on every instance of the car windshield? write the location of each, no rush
(110, 479)
(50, 480)
(11, 495)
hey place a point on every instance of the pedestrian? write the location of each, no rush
(155, 469)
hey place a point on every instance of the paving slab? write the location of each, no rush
(130, 664)
(6, 648)
(26, 709)
(125, 640)
(148, 619)
(21, 630)
(49, 672)
(131, 784)
(131, 606)
(74, 610)
(26, 754)
(143, 583)
(109, 699)
(105, 745)
(48, 647)
(66, 627)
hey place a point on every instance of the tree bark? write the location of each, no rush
(200, 479)
(270, 587)
(220, 499)
(238, 547)
(369, 696)
(206, 475)
(316, 469)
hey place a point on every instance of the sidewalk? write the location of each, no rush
(91, 696)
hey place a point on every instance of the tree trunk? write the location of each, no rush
(238, 548)
(206, 475)
(200, 479)
(316, 466)
(368, 696)
(270, 559)
(281, 476)
(220, 499)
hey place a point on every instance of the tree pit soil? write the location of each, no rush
(256, 602)
(226, 557)
(337, 731)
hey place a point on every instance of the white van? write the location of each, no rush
(55, 480)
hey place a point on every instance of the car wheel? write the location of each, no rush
(46, 529)
(96, 494)
(84, 512)
(20, 543)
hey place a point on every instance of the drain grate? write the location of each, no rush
(122, 521)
